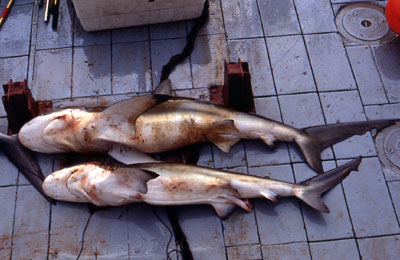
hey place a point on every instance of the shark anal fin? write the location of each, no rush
(224, 135)
(268, 140)
(269, 195)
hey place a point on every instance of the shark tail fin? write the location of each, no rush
(310, 190)
(25, 160)
(317, 138)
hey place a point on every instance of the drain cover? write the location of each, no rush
(364, 23)
(392, 146)
(388, 147)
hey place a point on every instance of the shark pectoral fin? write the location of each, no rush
(269, 195)
(136, 178)
(224, 209)
(128, 155)
(164, 88)
(224, 135)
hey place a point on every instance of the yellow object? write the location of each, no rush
(5, 12)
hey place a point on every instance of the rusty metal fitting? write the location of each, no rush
(20, 106)
(237, 91)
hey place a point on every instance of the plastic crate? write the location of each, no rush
(98, 15)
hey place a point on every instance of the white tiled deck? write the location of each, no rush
(303, 74)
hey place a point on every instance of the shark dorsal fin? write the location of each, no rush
(131, 108)
(117, 122)
(164, 88)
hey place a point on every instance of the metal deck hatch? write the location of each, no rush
(388, 148)
(364, 23)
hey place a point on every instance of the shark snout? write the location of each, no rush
(55, 185)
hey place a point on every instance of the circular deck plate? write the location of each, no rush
(392, 146)
(364, 23)
(387, 144)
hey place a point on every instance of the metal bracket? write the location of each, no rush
(20, 106)
(237, 91)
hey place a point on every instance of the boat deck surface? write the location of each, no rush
(303, 73)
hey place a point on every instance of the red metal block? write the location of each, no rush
(20, 106)
(237, 91)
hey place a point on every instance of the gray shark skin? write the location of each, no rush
(159, 183)
(159, 123)
(25, 161)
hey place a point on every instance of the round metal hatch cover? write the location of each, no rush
(364, 23)
(392, 146)
(388, 148)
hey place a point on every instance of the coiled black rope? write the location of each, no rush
(190, 39)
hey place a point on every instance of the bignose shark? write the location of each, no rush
(159, 183)
(157, 123)
(24, 160)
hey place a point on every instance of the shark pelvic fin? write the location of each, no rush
(224, 209)
(231, 200)
(243, 203)
(224, 135)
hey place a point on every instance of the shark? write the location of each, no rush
(160, 122)
(25, 161)
(159, 183)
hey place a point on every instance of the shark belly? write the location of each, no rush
(178, 189)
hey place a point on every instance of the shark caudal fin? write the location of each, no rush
(318, 138)
(25, 161)
(310, 191)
